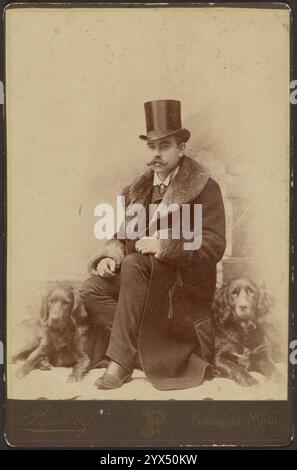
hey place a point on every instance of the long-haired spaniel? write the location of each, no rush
(61, 337)
(242, 332)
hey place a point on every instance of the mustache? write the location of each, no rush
(157, 160)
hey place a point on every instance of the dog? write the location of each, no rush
(61, 336)
(243, 331)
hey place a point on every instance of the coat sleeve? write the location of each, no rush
(113, 248)
(213, 232)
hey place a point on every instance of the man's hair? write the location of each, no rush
(178, 139)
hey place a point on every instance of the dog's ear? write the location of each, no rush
(79, 313)
(44, 309)
(220, 307)
(265, 301)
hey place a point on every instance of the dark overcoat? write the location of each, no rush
(175, 340)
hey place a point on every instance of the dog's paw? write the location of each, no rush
(17, 359)
(12, 360)
(23, 371)
(245, 380)
(76, 376)
(45, 365)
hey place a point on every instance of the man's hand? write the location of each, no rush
(147, 246)
(106, 267)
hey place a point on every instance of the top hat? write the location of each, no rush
(163, 118)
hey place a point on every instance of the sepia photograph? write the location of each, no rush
(148, 203)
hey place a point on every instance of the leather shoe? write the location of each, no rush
(109, 381)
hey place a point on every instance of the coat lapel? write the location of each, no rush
(139, 190)
(189, 182)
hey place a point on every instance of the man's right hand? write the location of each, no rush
(106, 267)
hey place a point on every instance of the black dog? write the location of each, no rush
(242, 336)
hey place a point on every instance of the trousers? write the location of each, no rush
(115, 306)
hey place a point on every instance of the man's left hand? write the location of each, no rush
(148, 246)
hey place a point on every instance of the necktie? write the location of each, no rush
(162, 189)
(158, 193)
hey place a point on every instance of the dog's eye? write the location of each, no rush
(235, 292)
(250, 291)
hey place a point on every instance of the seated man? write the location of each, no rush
(151, 297)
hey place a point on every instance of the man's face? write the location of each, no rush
(164, 154)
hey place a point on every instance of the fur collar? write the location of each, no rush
(189, 182)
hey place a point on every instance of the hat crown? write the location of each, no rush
(162, 115)
(163, 119)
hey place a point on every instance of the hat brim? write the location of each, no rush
(184, 134)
